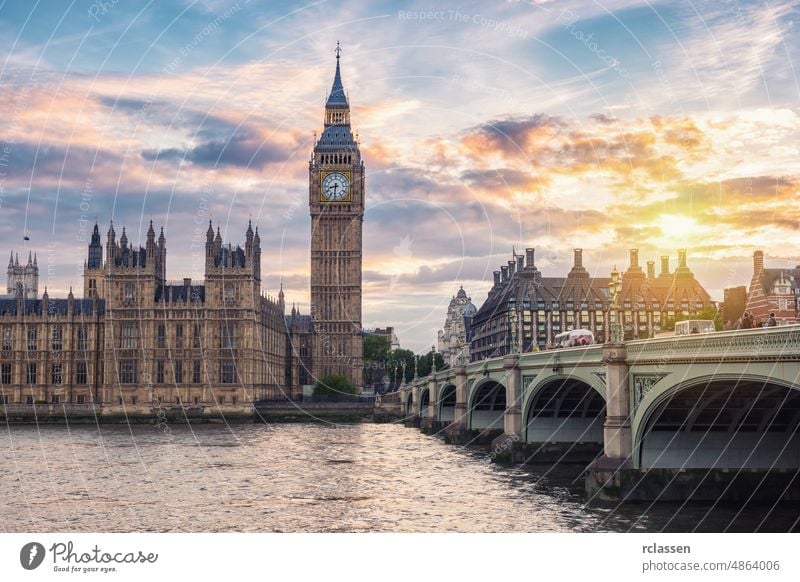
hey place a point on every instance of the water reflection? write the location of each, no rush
(309, 478)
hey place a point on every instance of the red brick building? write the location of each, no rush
(773, 291)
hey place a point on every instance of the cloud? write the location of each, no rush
(243, 149)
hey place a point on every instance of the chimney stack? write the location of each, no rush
(511, 267)
(503, 273)
(634, 258)
(520, 263)
(496, 278)
(758, 261)
(682, 259)
(529, 258)
(651, 269)
(664, 266)
(578, 257)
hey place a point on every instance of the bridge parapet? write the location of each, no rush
(771, 343)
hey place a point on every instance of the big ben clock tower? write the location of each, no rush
(336, 201)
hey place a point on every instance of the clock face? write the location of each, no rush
(335, 187)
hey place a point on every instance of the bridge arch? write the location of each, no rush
(409, 404)
(487, 405)
(424, 402)
(564, 409)
(734, 421)
(447, 403)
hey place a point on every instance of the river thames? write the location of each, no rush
(309, 478)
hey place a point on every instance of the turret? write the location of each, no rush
(95, 257)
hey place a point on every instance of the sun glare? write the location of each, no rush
(676, 226)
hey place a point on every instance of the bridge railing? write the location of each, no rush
(766, 342)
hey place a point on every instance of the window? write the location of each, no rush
(133, 399)
(83, 338)
(227, 335)
(227, 372)
(228, 295)
(32, 340)
(4, 399)
(233, 400)
(57, 337)
(81, 399)
(220, 400)
(8, 339)
(179, 372)
(31, 373)
(129, 335)
(55, 399)
(196, 372)
(81, 374)
(129, 292)
(160, 372)
(127, 371)
(55, 373)
(29, 400)
(179, 336)
(196, 335)
(161, 336)
(177, 400)
(92, 287)
(196, 400)
(5, 374)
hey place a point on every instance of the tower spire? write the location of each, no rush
(337, 99)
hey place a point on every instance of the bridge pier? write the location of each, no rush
(430, 423)
(413, 417)
(456, 431)
(507, 444)
(606, 476)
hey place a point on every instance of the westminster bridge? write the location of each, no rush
(702, 416)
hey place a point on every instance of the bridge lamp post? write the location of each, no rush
(614, 290)
(512, 323)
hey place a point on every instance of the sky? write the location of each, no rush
(485, 127)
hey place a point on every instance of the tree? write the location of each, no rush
(399, 356)
(333, 387)
(425, 362)
(377, 352)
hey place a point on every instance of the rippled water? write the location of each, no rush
(306, 478)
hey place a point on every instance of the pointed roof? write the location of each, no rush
(337, 97)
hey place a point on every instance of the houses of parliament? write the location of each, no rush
(137, 340)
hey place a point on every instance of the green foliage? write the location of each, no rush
(377, 352)
(425, 362)
(376, 348)
(333, 386)
(399, 356)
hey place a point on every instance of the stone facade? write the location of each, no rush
(336, 202)
(138, 340)
(25, 275)
(453, 339)
(547, 306)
